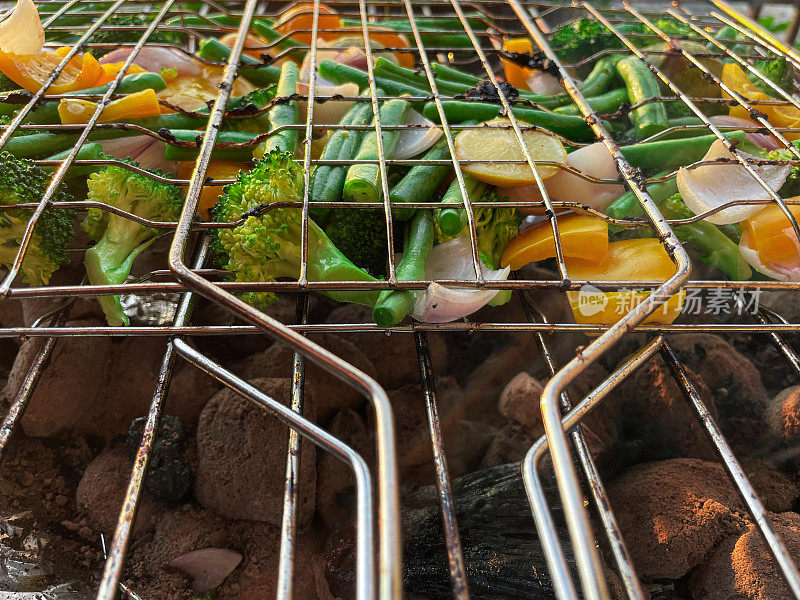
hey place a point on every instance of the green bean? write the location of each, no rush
(90, 151)
(421, 181)
(327, 181)
(627, 206)
(574, 128)
(362, 183)
(671, 154)
(448, 73)
(642, 85)
(283, 116)
(256, 73)
(603, 104)
(453, 220)
(601, 76)
(393, 305)
(338, 74)
(235, 154)
(388, 69)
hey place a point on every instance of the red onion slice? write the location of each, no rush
(442, 304)
(544, 83)
(153, 58)
(207, 568)
(768, 142)
(420, 135)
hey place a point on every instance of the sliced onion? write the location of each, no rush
(594, 160)
(22, 32)
(126, 147)
(328, 112)
(441, 304)
(419, 135)
(710, 186)
(766, 141)
(542, 82)
(153, 58)
(145, 150)
(789, 271)
(207, 568)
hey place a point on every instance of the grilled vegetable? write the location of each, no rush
(32, 72)
(457, 111)
(627, 205)
(127, 28)
(393, 305)
(361, 236)
(132, 106)
(234, 152)
(339, 73)
(642, 86)
(626, 260)
(421, 181)
(706, 240)
(267, 246)
(603, 104)
(120, 240)
(581, 236)
(770, 234)
(484, 145)
(327, 181)
(22, 182)
(283, 115)
(451, 221)
(252, 70)
(363, 183)
(671, 154)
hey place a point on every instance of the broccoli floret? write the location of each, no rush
(495, 227)
(136, 24)
(583, 37)
(267, 246)
(120, 240)
(790, 187)
(361, 236)
(22, 182)
(778, 70)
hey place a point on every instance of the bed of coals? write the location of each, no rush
(209, 516)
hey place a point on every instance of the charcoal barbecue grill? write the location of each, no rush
(189, 272)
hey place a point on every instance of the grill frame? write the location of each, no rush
(188, 275)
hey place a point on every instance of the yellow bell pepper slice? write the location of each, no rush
(217, 169)
(768, 235)
(140, 104)
(581, 236)
(31, 72)
(627, 260)
(517, 75)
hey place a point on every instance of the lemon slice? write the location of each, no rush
(495, 142)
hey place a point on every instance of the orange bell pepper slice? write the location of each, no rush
(778, 115)
(133, 106)
(217, 169)
(581, 236)
(627, 260)
(517, 75)
(31, 72)
(111, 70)
(768, 233)
(297, 21)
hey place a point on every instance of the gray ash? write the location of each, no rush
(487, 92)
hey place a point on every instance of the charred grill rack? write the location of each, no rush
(188, 272)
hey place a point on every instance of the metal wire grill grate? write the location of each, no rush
(189, 272)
